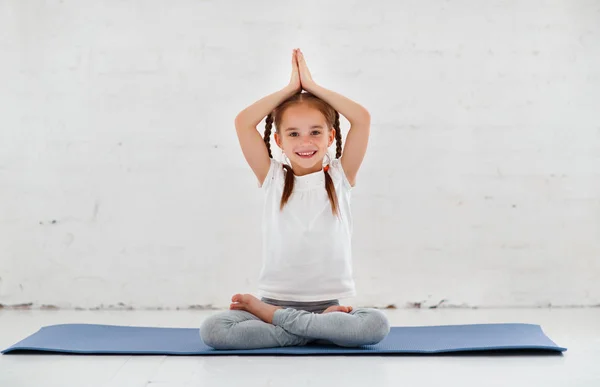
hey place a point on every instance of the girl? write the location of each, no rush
(307, 224)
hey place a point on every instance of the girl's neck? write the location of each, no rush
(299, 171)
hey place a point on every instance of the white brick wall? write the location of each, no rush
(122, 182)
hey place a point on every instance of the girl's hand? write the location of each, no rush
(295, 84)
(305, 77)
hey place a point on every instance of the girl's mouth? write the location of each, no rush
(306, 155)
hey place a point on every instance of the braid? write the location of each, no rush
(289, 175)
(338, 153)
(338, 136)
(267, 136)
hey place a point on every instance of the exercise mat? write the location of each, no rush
(138, 340)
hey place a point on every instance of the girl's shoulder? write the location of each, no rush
(338, 174)
(274, 176)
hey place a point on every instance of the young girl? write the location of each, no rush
(307, 224)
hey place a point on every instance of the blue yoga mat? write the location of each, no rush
(132, 340)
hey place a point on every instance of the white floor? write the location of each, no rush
(576, 329)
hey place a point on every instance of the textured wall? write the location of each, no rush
(122, 183)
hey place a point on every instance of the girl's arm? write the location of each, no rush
(251, 116)
(355, 113)
(252, 143)
(358, 135)
(360, 121)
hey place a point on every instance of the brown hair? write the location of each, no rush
(333, 121)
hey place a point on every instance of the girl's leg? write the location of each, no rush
(362, 326)
(238, 329)
(359, 327)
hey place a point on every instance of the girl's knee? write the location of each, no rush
(211, 331)
(380, 325)
(215, 331)
(377, 325)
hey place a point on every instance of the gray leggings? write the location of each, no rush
(299, 323)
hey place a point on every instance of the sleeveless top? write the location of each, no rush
(306, 248)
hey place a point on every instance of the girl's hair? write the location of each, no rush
(332, 117)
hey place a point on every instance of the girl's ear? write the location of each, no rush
(277, 139)
(331, 136)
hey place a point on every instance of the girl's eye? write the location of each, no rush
(315, 131)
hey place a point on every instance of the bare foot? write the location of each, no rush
(338, 308)
(251, 304)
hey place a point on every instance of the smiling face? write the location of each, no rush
(304, 136)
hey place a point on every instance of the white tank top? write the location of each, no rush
(306, 248)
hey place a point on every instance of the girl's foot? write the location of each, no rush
(251, 304)
(338, 308)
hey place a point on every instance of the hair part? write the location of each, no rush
(332, 117)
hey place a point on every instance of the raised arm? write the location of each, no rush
(360, 121)
(246, 122)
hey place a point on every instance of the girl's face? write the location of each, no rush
(304, 137)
